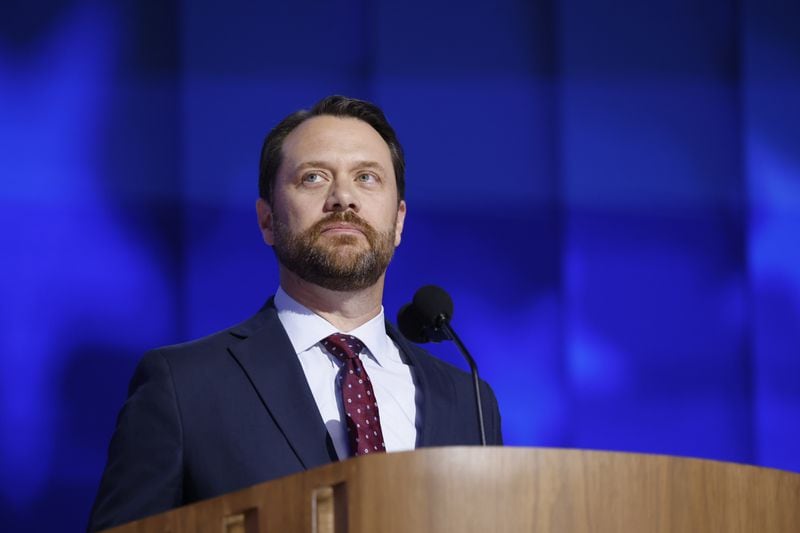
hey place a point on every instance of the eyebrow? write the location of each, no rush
(358, 164)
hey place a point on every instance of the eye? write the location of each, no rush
(312, 177)
(366, 177)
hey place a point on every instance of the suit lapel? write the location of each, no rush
(268, 358)
(434, 385)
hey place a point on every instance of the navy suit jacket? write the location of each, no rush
(234, 409)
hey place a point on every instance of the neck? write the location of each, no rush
(344, 309)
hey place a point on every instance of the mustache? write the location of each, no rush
(345, 217)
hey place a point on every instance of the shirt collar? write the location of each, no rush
(306, 328)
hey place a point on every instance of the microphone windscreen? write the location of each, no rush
(411, 324)
(432, 302)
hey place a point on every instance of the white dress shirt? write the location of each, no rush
(391, 378)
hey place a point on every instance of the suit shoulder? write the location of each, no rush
(211, 342)
(220, 339)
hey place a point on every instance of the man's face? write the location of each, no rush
(335, 219)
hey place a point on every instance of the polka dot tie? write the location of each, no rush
(360, 407)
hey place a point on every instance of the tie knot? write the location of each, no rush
(343, 346)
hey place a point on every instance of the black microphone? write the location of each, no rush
(427, 319)
(415, 328)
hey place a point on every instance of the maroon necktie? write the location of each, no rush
(360, 407)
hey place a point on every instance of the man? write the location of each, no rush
(317, 375)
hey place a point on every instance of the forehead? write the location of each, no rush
(337, 141)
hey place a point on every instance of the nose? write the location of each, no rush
(342, 196)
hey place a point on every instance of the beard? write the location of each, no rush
(338, 264)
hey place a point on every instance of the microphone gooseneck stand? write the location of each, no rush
(450, 332)
(427, 319)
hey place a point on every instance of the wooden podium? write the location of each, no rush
(487, 490)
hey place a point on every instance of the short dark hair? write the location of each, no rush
(337, 106)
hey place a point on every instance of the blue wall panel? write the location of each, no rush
(771, 110)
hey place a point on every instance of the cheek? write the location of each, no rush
(302, 221)
(297, 222)
(300, 212)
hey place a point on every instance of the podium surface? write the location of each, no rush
(473, 489)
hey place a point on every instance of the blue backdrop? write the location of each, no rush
(610, 191)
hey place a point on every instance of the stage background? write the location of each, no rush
(610, 191)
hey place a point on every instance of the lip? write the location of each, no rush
(341, 228)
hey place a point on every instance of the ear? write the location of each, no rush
(401, 219)
(264, 212)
